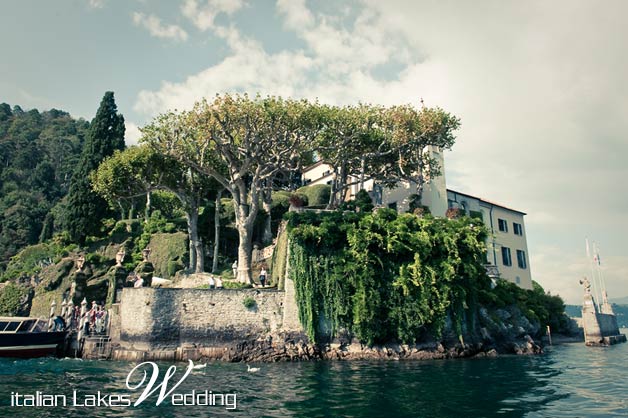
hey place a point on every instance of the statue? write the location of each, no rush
(145, 269)
(120, 257)
(80, 263)
(587, 285)
(145, 253)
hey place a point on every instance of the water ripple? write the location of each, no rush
(570, 380)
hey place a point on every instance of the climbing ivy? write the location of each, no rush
(383, 276)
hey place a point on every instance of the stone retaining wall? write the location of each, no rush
(163, 319)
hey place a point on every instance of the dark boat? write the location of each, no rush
(28, 337)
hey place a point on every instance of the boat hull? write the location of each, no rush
(30, 344)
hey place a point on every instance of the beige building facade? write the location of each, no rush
(507, 248)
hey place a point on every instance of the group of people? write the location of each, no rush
(262, 274)
(134, 280)
(95, 319)
(215, 282)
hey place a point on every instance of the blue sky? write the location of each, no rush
(540, 88)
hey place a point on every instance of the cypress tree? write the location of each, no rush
(85, 209)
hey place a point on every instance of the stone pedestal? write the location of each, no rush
(79, 287)
(116, 277)
(600, 328)
(145, 270)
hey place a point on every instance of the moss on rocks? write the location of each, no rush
(169, 253)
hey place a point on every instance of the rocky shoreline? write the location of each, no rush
(288, 349)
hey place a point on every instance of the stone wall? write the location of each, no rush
(167, 319)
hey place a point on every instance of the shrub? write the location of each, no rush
(230, 284)
(93, 258)
(249, 302)
(298, 200)
(11, 298)
(317, 195)
(119, 228)
(476, 214)
(172, 268)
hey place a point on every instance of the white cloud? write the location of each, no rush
(97, 4)
(132, 133)
(539, 87)
(336, 67)
(154, 26)
(559, 272)
(203, 14)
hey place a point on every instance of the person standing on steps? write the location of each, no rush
(262, 277)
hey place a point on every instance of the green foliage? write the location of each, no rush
(278, 261)
(94, 259)
(230, 284)
(11, 297)
(30, 261)
(38, 152)
(249, 302)
(476, 214)
(85, 208)
(169, 253)
(384, 276)
(317, 195)
(173, 267)
(535, 304)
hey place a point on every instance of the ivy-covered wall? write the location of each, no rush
(385, 276)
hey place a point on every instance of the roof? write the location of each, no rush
(486, 201)
(316, 164)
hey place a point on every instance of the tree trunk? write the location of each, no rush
(148, 208)
(132, 210)
(332, 195)
(122, 211)
(267, 236)
(196, 246)
(217, 207)
(245, 248)
(362, 170)
(200, 256)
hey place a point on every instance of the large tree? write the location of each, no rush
(140, 170)
(85, 209)
(387, 145)
(241, 142)
(351, 139)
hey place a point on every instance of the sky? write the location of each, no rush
(539, 86)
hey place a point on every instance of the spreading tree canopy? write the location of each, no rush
(241, 142)
(137, 171)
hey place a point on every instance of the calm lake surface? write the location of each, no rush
(568, 381)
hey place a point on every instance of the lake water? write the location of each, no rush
(568, 381)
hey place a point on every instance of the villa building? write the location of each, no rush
(507, 248)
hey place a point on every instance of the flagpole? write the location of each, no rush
(606, 307)
(597, 274)
(593, 278)
(591, 266)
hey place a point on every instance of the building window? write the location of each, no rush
(503, 225)
(517, 228)
(393, 205)
(518, 280)
(506, 258)
(521, 259)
